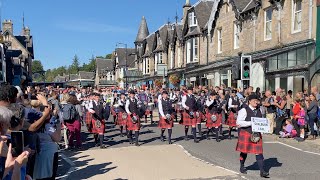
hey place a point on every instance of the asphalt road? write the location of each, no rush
(286, 159)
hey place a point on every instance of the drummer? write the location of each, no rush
(122, 116)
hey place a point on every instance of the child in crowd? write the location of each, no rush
(301, 119)
(287, 130)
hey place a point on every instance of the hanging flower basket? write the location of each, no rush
(174, 79)
(158, 83)
(119, 80)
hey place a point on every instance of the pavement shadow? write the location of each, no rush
(92, 170)
(268, 164)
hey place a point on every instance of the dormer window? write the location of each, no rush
(192, 19)
(159, 40)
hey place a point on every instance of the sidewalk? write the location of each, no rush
(145, 162)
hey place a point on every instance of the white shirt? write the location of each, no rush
(120, 102)
(160, 107)
(209, 102)
(230, 103)
(184, 99)
(173, 96)
(242, 114)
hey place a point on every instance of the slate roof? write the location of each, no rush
(245, 5)
(60, 79)
(86, 75)
(22, 40)
(143, 31)
(74, 77)
(121, 53)
(150, 44)
(104, 64)
(202, 11)
(179, 31)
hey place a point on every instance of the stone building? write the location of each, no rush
(105, 73)
(206, 46)
(124, 59)
(19, 54)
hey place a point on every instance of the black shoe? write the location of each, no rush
(196, 141)
(162, 139)
(218, 140)
(103, 146)
(169, 142)
(264, 174)
(243, 170)
(137, 144)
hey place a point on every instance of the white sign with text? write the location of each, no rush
(261, 125)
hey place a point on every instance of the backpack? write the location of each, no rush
(68, 112)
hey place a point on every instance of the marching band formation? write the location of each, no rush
(184, 106)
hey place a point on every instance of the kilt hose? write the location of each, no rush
(187, 121)
(245, 145)
(231, 121)
(133, 126)
(210, 123)
(120, 120)
(163, 124)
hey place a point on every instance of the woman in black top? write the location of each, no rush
(312, 109)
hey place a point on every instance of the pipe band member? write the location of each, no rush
(246, 144)
(233, 107)
(166, 115)
(97, 113)
(214, 117)
(133, 120)
(122, 120)
(189, 114)
(201, 110)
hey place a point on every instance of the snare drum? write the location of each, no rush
(150, 106)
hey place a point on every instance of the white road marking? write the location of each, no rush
(284, 144)
(188, 154)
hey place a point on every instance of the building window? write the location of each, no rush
(159, 40)
(189, 51)
(155, 62)
(272, 63)
(144, 66)
(219, 41)
(195, 49)
(236, 35)
(192, 19)
(179, 58)
(148, 65)
(160, 58)
(268, 24)
(172, 59)
(296, 15)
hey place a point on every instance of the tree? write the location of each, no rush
(37, 66)
(109, 56)
(74, 68)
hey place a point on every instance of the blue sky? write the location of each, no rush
(63, 28)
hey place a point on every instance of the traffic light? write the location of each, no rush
(245, 67)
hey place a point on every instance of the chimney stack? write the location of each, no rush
(186, 7)
(25, 31)
(7, 25)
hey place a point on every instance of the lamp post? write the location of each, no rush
(126, 59)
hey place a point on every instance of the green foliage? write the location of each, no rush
(37, 66)
(74, 68)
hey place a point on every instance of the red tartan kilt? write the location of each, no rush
(98, 130)
(113, 112)
(120, 120)
(164, 125)
(231, 121)
(131, 126)
(245, 145)
(187, 121)
(200, 118)
(148, 112)
(210, 124)
(89, 121)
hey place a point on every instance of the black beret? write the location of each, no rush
(164, 92)
(190, 88)
(252, 96)
(234, 91)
